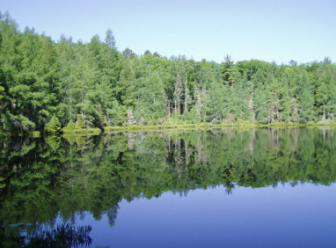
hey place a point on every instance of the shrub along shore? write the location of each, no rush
(208, 125)
(116, 129)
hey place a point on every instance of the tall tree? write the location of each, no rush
(227, 70)
(214, 103)
(285, 103)
(109, 39)
(126, 85)
(150, 103)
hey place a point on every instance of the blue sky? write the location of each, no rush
(266, 30)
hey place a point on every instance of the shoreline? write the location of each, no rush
(202, 126)
(135, 128)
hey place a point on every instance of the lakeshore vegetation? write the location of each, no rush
(76, 86)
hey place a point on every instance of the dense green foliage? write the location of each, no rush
(101, 86)
(42, 179)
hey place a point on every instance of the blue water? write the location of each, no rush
(303, 216)
(270, 189)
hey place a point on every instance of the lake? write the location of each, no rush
(175, 188)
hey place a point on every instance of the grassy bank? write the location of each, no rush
(209, 126)
(80, 132)
(77, 132)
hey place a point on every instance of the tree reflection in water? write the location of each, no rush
(63, 236)
(42, 179)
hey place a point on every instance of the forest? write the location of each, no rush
(48, 85)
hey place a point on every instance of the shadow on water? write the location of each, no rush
(46, 178)
(62, 236)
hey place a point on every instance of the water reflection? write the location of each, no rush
(62, 236)
(44, 178)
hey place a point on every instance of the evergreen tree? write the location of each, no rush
(53, 125)
(259, 79)
(243, 108)
(109, 40)
(274, 101)
(322, 98)
(305, 98)
(200, 100)
(285, 103)
(306, 109)
(261, 108)
(194, 116)
(29, 77)
(227, 70)
(150, 101)
(214, 103)
(126, 85)
(128, 53)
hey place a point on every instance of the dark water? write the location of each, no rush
(218, 188)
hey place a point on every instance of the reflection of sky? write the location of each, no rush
(303, 216)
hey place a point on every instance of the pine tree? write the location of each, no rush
(306, 109)
(29, 77)
(322, 98)
(53, 126)
(126, 85)
(109, 40)
(200, 96)
(214, 105)
(227, 70)
(305, 97)
(194, 116)
(259, 79)
(285, 103)
(151, 99)
(325, 92)
(261, 108)
(273, 98)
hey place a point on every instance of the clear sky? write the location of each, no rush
(303, 30)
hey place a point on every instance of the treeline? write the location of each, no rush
(44, 178)
(49, 85)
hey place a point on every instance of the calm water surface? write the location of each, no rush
(217, 188)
